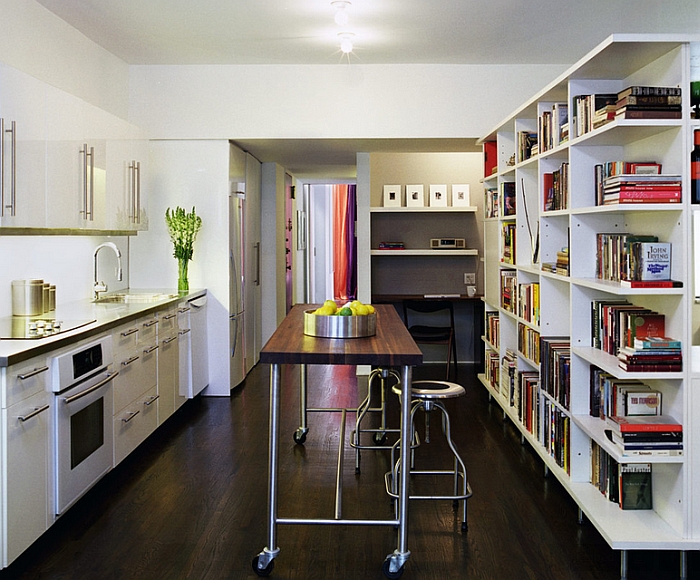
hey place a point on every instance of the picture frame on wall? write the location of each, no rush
(438, 196)
(460, 195)
(415, 196)
(392, 196)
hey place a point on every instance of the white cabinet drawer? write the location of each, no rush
(148, 329)
(168, 322)
(25, 379)
(125, 338)
(134, 423)
(26, 489)
(137, 373)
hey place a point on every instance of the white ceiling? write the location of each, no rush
(385, 32)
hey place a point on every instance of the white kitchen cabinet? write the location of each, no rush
(184, 354)
(135, 388)
(168, 364)
(198, 327)
(127, 160)
(134, 423)
(23, 150)
(26, 488)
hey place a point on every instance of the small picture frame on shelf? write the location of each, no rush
(438, 196)
(415, 196)
(392, 196)
(460, 195)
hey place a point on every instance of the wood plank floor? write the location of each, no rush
(191, 503)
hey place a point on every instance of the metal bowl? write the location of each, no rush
(339, 326)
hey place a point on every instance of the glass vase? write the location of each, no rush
(183, 284)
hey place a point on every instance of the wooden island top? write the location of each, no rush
(392, 345)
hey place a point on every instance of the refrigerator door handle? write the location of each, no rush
(257, 264)
(234, 319)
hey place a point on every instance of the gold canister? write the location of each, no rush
(46, 291)
(52, 298)
(27, 297)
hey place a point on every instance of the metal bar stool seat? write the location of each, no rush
(428, 395)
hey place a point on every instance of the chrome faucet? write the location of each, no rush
(101, 286)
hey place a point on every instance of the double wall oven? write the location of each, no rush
(81, 381)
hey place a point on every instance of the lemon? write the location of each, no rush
(331, 305)
(325, 311)
(370, 309)
(345, 311)
(361, 310)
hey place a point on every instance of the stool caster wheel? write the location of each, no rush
(388, 573)
(379, 438)
(266, 571)
(299, 436)
(464, 526)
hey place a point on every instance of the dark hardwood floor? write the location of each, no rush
(192, 502)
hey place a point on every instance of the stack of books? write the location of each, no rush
(652, 354)
(653, 436)
(642, 102)
(636, 188)
(592, 111)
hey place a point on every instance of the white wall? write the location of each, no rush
(322, 101)
(39, 43)
(66, 261)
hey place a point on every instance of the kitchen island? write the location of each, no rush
(392, 345)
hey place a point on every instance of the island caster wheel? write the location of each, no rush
(379, 438)
(266, 571)
(299, 437)
(388, 573)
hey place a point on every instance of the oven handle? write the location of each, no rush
(89, 390)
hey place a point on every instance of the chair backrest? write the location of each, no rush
(428, 306)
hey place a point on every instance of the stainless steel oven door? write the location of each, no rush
(83, 450)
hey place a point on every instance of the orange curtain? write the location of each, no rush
(340, 235)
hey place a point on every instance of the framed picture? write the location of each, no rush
(438, 196)
(392, 196)
(460, 194)
(415, 196)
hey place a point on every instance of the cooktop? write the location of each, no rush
(25, 327)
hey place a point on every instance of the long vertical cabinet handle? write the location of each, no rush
(2, 166)
(137, 181)
(92, 183)
(84, 157)
(13, 169)
(132, 190)
(257, 264)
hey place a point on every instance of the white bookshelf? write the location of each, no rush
(565, 301)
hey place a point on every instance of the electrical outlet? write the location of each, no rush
(470, 278)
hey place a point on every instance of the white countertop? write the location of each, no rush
(106, 316)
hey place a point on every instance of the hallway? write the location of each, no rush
(192, 503)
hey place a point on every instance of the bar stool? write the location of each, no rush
(380, 377)
(428, 395)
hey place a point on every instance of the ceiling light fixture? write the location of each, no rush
(341, 15)
(346, 41)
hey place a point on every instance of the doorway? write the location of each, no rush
(332, 249)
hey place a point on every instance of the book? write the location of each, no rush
(656, 342)
(650, 100)
(663, 423)
(651, 283)
(490, 158)
(643, 325)
(641, 90)
(640, 402)
(652, 261)
(635, 486)
(626, 113)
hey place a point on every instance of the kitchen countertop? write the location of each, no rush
(106, 316)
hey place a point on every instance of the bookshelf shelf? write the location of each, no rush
(567, 240)
(425, 252)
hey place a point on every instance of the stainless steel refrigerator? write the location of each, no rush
(237, 273)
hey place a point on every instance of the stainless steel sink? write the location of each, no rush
(127, 297)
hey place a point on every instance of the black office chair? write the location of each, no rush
(438, 333)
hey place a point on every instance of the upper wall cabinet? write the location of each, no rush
(22, 149)
(67, 164)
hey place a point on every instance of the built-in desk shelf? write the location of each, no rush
(425, 252)
(403, 209)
